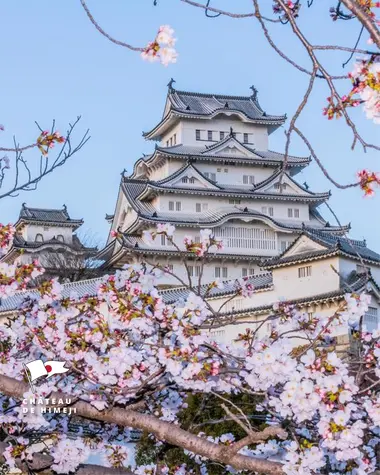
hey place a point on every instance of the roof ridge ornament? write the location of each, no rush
(170, 85)
(254, 92)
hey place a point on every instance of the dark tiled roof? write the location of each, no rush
(48, 215)
(78, 289)
(208, 218)
(260, 281)
(76, 245)
(89, 287)
(334, 245)
(261, 156)
(226, 190)
(207, 104)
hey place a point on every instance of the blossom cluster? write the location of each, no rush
(46, 141)
(162, 48)
(127, 344)
(367, 180)
(294, 8)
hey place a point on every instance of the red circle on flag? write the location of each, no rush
(48, 368)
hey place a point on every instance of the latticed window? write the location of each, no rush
(197, 134)
(184, 179)
(247, 238)
(198, 207)
(290, 212)
(171, 205)
(178, 206)
(192, 180)
(210, 176)
(221, 135)
(371, 319)
(245, 272)
(234, 202)
(209, 134)
(304, 271)
(269, 211)
(221, 272)
(296, 213)
(248, 179)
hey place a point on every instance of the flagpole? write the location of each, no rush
(30, 382)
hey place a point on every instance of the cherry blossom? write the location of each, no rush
(127, 345)
(162, 48)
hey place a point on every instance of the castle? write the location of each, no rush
(212, 168)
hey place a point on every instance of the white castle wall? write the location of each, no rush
(30, 231)
(185, 131)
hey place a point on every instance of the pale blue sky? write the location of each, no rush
(56, 65)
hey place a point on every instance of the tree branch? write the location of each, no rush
(364, 19)
(102, 32)
(161, 429)
(43, 462)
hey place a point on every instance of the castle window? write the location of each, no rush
(210, 176)
(171, 205)
(178, 206)
(198, 134)
(371, 319)
(175, 139)
(170, 267)
(234, 202)
(269, 211)
(198, 207)
(245, 272)
(184, 179)
(296, 213)
(221, 272)
(209, 135)
(221, 135)
(277, 186)
(60, 238)
(290, 212)
(304, 271)
(204, 206)
(39, 238)
(248, 179)
(226, 170)
(163, 240)
(219, 170)
(46, 228)
(167, 143)
(192, 180)
(245, 138)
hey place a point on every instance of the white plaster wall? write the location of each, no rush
(181, 232)
(235, 173)
(188, 205)
(177, 129)
(30, 232)
(223, 124)
(234, 269)
(323, 279)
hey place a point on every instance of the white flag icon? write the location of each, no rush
(38, 368)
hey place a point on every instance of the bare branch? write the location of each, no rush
(161, 429)
(102, 32)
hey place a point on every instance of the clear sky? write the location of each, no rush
(55, 65)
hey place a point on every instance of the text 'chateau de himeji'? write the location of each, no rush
(212, 168)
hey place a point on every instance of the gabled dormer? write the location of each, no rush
(188, 177)
(282, 182)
